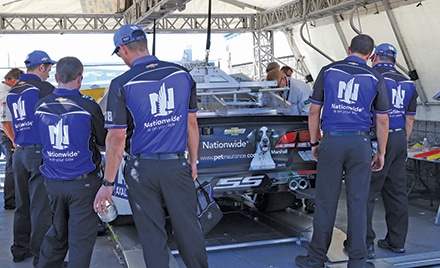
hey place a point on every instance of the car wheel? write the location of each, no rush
(275, 201)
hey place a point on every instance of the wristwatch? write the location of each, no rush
(105, 182)
(313, 144)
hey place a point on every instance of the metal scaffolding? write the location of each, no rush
(148, 13)
(46, 23)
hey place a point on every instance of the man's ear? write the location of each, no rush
(122, 49)
(56, 78)
(369, 55)
(42, 67)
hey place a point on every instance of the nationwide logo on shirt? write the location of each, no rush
(348, 92)
(59, 135)
(162, 103)
(19, 110)
(398, 95)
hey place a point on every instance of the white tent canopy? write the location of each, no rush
(110, 6)
(57, 7)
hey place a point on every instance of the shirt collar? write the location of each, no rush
(385, 65)
(29, 76)
(147, 60)
(66, 92)
(355, 59)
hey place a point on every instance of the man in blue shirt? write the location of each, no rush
(7, 136)
(71, 126)
(390, 182)
(347, 91)
(32, 215)
(151, 112)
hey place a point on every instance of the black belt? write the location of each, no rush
(345, 133)
(395, 129)
(160, 156)
(36, 146)
(86, 176)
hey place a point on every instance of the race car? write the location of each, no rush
(252, 151)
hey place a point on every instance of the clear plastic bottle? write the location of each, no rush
(425, 145)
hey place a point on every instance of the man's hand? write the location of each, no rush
(194, 172)
(315, 152)
(377, 162)
(102, 199)
(115, 143)
(382, 122)
(313, 122)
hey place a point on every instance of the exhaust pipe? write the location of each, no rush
(298, 183)
(303, 184)
(293, 185)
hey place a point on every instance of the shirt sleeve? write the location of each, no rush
(99, 131)
(193, 97)
(116, 112)
(381, 104)
(317, 96)
(5, 114)
(413, 103)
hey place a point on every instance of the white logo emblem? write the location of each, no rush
(348, 92)
(19, 110)
(59, 135)
(162, 103)
(108, 116)
(398, 96)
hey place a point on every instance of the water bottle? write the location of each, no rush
(425, 145)
(374, 147)
(437, 219)
(111, 215)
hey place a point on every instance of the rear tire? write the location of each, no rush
(275, 201)
(310, 205)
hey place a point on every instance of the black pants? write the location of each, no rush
(9, 186)
(390, 182)
(32, 215)
(152, 183)
(75, 223)
(347, 157)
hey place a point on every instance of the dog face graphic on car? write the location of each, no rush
(264, 139)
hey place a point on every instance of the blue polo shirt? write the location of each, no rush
(402, 94)
(71, 126)
(152, 101)
(21, 101)
(348, 91)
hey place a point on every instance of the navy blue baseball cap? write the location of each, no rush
(128, 33)
(38, 57)
(385, 49)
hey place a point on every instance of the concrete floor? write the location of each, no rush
(423, 242)
(103, 255)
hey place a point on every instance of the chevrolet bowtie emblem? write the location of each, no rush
(234, 131)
